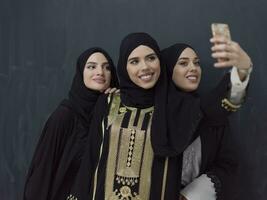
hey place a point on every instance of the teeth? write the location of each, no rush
(192, 78)
(145, 77)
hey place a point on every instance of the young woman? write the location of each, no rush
(121, 163)
(131, 152)
(61, 145)
(209, 164)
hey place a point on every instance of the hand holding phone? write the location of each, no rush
(227, 52)
(222, 31)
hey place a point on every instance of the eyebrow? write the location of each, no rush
(90, 62)
(133, 58)
(185, 58)
(152, 54)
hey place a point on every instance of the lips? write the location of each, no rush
(192, 78)
(99, 80)
(146, 77)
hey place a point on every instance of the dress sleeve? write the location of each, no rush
(218, 177)
(223, 169)
(225, 98)
(47, 155)
(238, 87)
(201, 188)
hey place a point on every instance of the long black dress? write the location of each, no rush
(60, 148)
(212, 153)
(127, 158)
(128, 145)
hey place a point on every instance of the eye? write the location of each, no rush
(183, 63)
(134, 62)
(197, 63)
(107, 67)
(90, 66)
(152, 57)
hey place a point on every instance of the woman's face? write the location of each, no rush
(97, 74)
(143, 67)
(187, 72)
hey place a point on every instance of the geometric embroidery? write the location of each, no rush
(131, 148)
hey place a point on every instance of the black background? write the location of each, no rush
(40, 41)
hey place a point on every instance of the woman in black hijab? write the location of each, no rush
(129, 143)
(61, 145)
(209, 163)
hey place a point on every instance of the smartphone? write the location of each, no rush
(219, 29)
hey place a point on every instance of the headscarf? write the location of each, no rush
(135, 96)
(81, 98)
(182, 110)
(131, 94)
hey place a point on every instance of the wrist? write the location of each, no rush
(245, 71)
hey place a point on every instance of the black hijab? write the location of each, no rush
(82, 99)
(182, 110)
(131, 94)
(135, 96)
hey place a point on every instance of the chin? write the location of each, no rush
(99, 88)
(147, 86)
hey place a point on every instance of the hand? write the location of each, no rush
(182, 197)
(111, 90)
(229, 53)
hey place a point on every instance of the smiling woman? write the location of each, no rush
(58, 154)
(121, 160)
(187, 71)
(143, 67)
(209, 164)
(97, 72)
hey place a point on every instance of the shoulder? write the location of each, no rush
(63, 117)
(63, 113)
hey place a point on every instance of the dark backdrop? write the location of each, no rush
(40, 41)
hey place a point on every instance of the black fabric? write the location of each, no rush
(81, 98)
(56, 132)
(134, 96)
(99, 136)
(219, 159)
(210, 102)
(83, 186)
(199, 116)
(183, 108)
(61, 146)
(131, 94)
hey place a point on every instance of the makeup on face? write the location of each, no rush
(187, 72)
(97, 74)
(143, 67)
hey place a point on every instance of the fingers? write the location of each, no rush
(224, 64)
(224, 55)
(225, 51)
(117, 91)
(219, 39)
(222, 47)
(229, 53)
(107, 91)
(112, 90)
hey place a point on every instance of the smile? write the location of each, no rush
(146, 77)
(192, 78)
(99, 80)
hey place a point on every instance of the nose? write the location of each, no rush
(99, 70)
(144, 65)
(192, 66)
